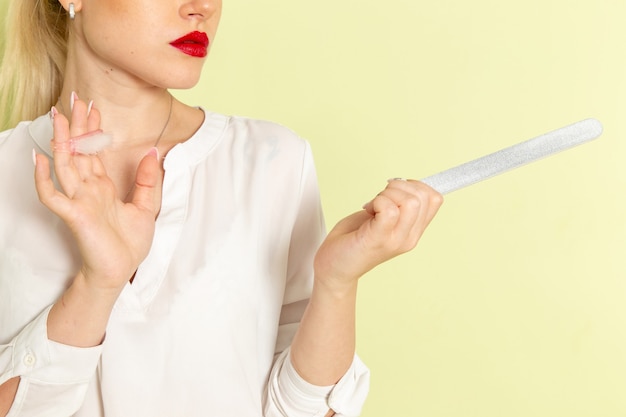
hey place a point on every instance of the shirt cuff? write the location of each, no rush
(294, 396)
(40, 359)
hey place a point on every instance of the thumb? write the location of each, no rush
(148, 183)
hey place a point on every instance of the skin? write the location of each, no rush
(94, 201)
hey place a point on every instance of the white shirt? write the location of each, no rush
(205, 327)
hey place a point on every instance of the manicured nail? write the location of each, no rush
(73, 98)
(34, 157)
(89, 107)
(154, 152)
(396, 179)
(53, 112)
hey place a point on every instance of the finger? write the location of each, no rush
(61, 135)
(79, 117)
(78, 127)
(391, 182)
(432, 196)
(98, 166)
(62, 157)
(84, 165)
(148, 183)
(93, 117)
(386, 215)
(430, 202)
(47, 192)
(421, 190)
(417, 204)
(410, 205)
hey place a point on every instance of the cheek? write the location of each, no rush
(106, 35)
(118, 7)
(109, 17)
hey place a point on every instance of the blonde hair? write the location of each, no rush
(31, 70)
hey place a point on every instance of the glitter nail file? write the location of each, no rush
(514, 156)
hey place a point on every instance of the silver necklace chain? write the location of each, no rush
(167, 122)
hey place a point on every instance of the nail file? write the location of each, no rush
(514, 156)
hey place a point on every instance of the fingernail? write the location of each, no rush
(73, 98)
(89, 107)
(154, 152)
(53, 112)
(34, 157)
(396, 179)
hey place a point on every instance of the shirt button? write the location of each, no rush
(29, 359)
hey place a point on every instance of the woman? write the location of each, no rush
(180, 270)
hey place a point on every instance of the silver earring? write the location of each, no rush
(72, 11)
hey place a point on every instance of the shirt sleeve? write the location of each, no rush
(287, 393)
(290, 395)
(53, 377)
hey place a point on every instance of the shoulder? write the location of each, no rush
(17, 137)
(263, 149)
(20, 130)
(264, 132)
(248, 139)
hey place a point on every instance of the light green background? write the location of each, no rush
(513, 304)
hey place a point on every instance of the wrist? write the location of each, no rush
(80, 317)
(335, 288)
(107, 285)
(97, 289)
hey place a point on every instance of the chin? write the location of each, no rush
(183, 81)
(181, 86)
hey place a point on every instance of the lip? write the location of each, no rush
(194, 44)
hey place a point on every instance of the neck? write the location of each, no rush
(133, 110)
(131, 118)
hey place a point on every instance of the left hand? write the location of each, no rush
(389, 225)
(113, 236)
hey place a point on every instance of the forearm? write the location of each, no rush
(323, 347)
(79, 318)
(7, 394)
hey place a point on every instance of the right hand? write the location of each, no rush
(391, 224)
(113, 237)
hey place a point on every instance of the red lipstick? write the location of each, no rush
(194, 44)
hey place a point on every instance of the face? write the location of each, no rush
(154, 42)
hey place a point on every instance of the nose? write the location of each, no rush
(200, 9)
